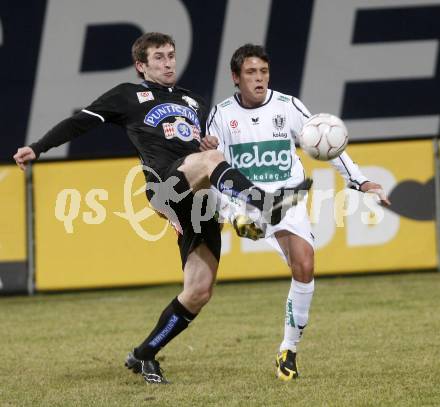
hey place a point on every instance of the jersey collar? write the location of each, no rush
(269, 94)
(154, 85)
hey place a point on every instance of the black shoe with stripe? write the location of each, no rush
(132, 363)
(150, 369)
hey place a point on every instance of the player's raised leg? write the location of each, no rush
(210, 168)
(300, 256)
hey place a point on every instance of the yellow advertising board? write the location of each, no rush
(368, 240)
(84, 237)
(405, 238)
(94, 228)
(13, 245)
(12, 214)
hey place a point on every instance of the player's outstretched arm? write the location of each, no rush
(23, 156)
(377, 189)
(65, 131)
(356, 180)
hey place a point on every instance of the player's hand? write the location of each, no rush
(23, 156)
(377, 189)
(208, 143)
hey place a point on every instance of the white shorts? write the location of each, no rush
(297, 222)
(297, 219)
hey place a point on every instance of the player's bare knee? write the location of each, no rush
(201, 299)
(303, 270)
(200, 296)
(205, 297)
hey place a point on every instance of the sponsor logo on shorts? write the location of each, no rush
(264, 161)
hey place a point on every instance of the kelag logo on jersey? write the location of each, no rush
(266, 161)
(160, 112)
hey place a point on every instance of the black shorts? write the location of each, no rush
(188, 240)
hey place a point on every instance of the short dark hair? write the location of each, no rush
(247, 51)
(139, 49)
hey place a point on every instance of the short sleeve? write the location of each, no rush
(214, 128)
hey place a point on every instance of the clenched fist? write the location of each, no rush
(23, 156)
(208, 143)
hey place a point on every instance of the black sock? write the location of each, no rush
(232, 182)
(173, 320)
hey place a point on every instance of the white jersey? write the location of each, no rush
(260, 142)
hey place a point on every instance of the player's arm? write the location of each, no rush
(356, 180)
(344, 164)
(63, 132)
(104, 109)
(212, 139)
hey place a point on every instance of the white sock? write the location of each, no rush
(297, 313)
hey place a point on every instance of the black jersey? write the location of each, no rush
(164, 124)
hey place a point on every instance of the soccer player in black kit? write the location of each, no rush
(165, 124)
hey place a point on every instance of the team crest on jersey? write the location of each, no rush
(164, 110)
(144, 96)
(279, 121)
(191, 102)
(181, 129)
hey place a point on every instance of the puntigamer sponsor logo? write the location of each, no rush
(160, 112)
(266, 161)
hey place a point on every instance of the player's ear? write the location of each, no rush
(235, 79)
(140, 66)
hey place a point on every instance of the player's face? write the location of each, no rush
(252, 81)
(161, 67)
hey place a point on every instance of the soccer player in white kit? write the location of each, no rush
(256, 129)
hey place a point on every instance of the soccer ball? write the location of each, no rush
(323, 137)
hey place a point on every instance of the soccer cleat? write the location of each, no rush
(150, 369)
(245, 227)
(287, 368)
(152, 372)
(284, 199)
(132, 363)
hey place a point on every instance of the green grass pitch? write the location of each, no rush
(371, 341)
